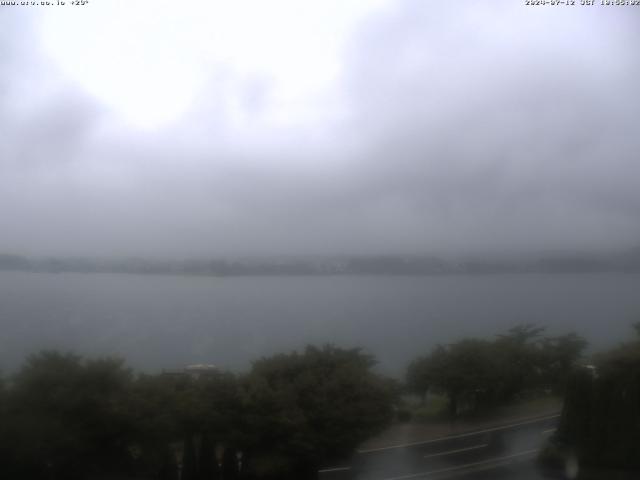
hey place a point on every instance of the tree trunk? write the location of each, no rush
(453, 405)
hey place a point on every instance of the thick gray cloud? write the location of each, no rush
(504, 126)
(466, 127)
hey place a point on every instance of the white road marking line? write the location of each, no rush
(498, 460)
(482, 468)
(451, 452)
(335, 469)
(461, 435)
(547, 432)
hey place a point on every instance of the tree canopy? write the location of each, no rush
(600, 421)
(478, 373)
(321, 403)
(65, 417)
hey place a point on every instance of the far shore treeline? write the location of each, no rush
(67, 417)
(627, 262)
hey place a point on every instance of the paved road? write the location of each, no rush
(502, 452)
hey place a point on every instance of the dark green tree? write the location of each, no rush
(465, 372)
(67, 418)
(558, 358)
(519, 359)
(601, 416)
(304, 409)
(418, 378)
(479, 374)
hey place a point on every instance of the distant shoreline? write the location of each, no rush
(327, 266)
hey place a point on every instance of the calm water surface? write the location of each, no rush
(168, 321)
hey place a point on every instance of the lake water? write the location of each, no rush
(159, 322)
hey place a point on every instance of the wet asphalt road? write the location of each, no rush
(503, 452)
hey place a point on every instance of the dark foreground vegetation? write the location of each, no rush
(477, 375)
(600, 423)
(65, 417)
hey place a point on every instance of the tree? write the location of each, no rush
(519, 360)
(478, 374)
(67, 417)
(558, 357)
(4, 423)
(181, 410)
(418, 377)
(304, 409)
(465, 372)
(601, 417)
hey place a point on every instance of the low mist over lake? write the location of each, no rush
(160, 322)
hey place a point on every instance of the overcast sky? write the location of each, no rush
(214, 128)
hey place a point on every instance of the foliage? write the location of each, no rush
(434, 408)
(558, 358)
(62, 416)
(317, 405)
(601, 416)
(478, 374)
(66, 417)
